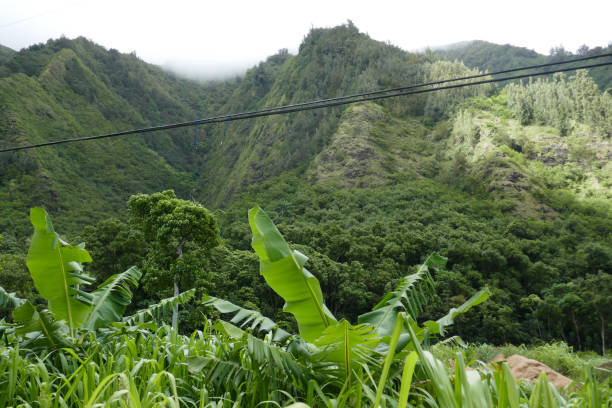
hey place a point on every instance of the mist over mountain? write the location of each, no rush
(212, 71)
(512, 184)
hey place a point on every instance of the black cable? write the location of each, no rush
(36, 16)
(368, 96)
(401, 88)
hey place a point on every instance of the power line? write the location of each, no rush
(402, 88)
(55, 10)
(330, 102)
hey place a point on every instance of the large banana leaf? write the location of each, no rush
(435, 372)
(57, 272)
(247, 318)
(9, 300)
(347, 345)
(39, 328)
(407, 296)
(507, 393)
(111, 298)
(283, 269)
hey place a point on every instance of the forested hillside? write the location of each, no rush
(512, 185)
(68, 88)
(5, 53)
(494, 57)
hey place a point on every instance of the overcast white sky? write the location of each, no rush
(226, 36)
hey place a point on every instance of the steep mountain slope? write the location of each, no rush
(371, 148)
(83, 89)
(71, 88)
(331, 62)
(5, 53)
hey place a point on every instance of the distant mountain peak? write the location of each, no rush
(5, 53)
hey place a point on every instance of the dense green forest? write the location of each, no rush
(5, 53)
(494, 57)
(511, 185)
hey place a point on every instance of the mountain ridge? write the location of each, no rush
(5, 53)
(492, 57)
(120, 91)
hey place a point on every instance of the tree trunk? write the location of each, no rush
(563, 336)
(533, 313)
(539, 328)
(179, 252)
(603, 334)
(577, 332)
(175, 307)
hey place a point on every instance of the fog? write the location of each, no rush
(207, 40)
(208, 71)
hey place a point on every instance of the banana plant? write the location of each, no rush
(283, 269)
(57, 271)
(40, 329)
(154, 312)
(407, 296)
(345, 344)
(111, 298)
(56, 268)
(10, 300)
(247, 318)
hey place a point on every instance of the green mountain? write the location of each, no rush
(513, 185)
(5, 53)
(494, 57)
(70, 88)
(489, 56)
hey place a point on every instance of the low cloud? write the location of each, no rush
(207, 70)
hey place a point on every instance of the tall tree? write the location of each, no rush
(174, 228)
(596, 289)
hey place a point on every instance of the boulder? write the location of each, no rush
(524, 368)
(604, 370)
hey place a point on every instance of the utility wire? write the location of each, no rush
(325, 103)
(402, 88)
(21, 20)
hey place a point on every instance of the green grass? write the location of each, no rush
(130, 366)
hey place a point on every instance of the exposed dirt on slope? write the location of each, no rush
(524, 368)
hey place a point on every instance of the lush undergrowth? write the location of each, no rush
(132, 366)
(558, 356)
(80, 351)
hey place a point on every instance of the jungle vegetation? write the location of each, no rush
(509, 186)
